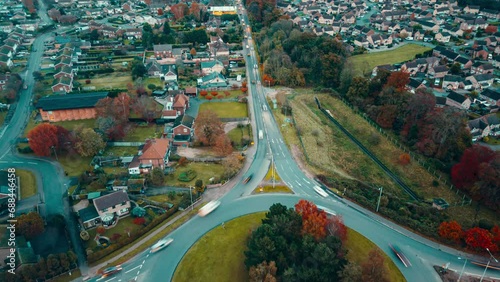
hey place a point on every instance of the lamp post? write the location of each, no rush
(488, 264)
(54, 148)
(379, 196)
(463, 268)
(191, 194)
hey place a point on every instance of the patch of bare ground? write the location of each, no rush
(189, 152)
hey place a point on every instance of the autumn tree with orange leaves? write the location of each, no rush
(45, 138)
(451, 230)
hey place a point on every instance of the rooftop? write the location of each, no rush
(70, 101)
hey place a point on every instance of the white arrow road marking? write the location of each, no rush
(132, 269)
(298, 183)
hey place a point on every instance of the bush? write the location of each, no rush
(187, 176)
(100, 230)
(435, 183)
(25, 150)
(151, 214)
(139, 220)
(183, 161)
(88, 81)
(485, 224)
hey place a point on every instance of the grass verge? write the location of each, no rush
(363, 64)
(66, 277)
(28, 183)
(270, 189)
(3, 114)
(166, 230)
(359, 247)
(226, 109)
(204, 171)
(74, 165)
(272, 172)
(221, 251)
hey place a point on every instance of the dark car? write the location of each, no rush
(248, 179)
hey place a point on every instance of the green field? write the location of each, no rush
(364, 64)
(141, 133)
(218, 255)
(204, 171)
(72, 124)
(226, 109)
(28, 183)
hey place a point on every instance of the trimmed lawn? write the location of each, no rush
(74, 164)
(108, 81)
(141, 133)
(72, 124)
(115, 170)
(359, 247)
(3, 114)
(204, 171)
(152, 80)
(28, 183)
(67, 278)
(270, 189)
(221, 251)
(120, 151)
(165, 198)
(226, 109)
(237, 134)
(269, 175)
(365, 63)
(232, 94)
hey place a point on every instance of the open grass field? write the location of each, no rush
(3, 114)
(141, 133)
(74, 164)
(120, 151)
(365, 63)
(108, 81)
(204, 171)
(28, 183)
(226, 109)
(359, 247)
(222, 253)
(72, 124)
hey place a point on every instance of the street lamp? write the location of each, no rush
(488, 264)
(463, 268)
(379, 196)
(191, 194)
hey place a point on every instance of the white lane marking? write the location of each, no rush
(147, 256)
(17, 162)
(132, 269)
(305, 179)
(298, 183)
(143, 261)
(138, 271)
(141, 266)
(110, 279)
(3, 162)
(32, 163)
(135, 279)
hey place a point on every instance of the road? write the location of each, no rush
(422, 253)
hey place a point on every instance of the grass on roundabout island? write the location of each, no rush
(218, 255)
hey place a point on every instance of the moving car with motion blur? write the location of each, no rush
(208, 208)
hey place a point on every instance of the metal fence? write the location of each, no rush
(125, 144)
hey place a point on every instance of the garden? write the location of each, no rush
(226, 109)
(186, 175)
(215, 95)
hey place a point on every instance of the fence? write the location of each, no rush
(424, 163)
(234, 119)
(125, 144)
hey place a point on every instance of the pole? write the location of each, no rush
(379, 196)
(272, 167)
(54, 148)
(191, 193)
(462, 271)
(484, 272)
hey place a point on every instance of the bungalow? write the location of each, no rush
(112, 205)
(64, 71)
(182, 130)
(64, 61)
(213, 80)
(490, 95)
(452, 81)
(481, 80)
(458, 101)
(211, 66)
(481, 68)
(488, 125)
(69, 107)
(62, 84)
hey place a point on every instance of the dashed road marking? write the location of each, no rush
(17, 162)
(32, 163)
(132, 269)
(305, 179)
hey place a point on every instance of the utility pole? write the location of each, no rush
(379, 196)
(272, 167)
(191, 194)
(55, 152)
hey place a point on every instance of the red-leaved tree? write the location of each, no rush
(314, 221)
(479, 239)
(466, 172)
(451, 231)
(43, 139)
(398, 80)
(336, 227)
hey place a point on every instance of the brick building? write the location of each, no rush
(69, 107)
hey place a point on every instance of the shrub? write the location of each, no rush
(88, 81)
(435, 183)
(187, 176)
(139, 220)
(485, 224)
(115, 237)
(151, 213)
(100, 230)
(183, 161)
(404, 159)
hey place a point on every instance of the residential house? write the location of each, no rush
(64, 61)
(470, 9)
(415, 84)
(89, 217)
(4, 78)
(182, 130)
(388, 68)
(488, 125)
(169, 73)
(438, 71)
(212, 66)
(490, 95)
(155, 153)
(481, 81)
(110, 206)
(69, 107)
(180, 104)
(109, 31)
(443, 37)
(410, 67)
(5, 61)
(62, 84)
(64, 71)
(452, 82)
(163, 51)
(464, 62)
(481, 68)
(191, 91)
(459, 101)
(213, 80)
(154, 69)
(133, 33)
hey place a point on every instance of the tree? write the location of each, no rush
(43, 139)
(160, 12)
(223, 145)
(479, 239)
(157, 176)
(88, 142)
(456, 68)
(373, 268)
(192, 52)
(466, 172)
(214, 93)
(200, 188)
(30, 225)
(314, 221)
(37, 75)
(336, 227)
(231, 165)
(451, 231)
(398, 80)
(351, 272)
(146, 108)
(100, 230)
(263, 272)
(404, 158)
(208, 127)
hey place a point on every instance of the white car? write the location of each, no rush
(161, 244)
(320, 191)
(208, 208)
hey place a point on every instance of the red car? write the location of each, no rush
(111, 270)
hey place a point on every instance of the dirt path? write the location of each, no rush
(228, 126)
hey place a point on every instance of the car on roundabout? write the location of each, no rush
(208, 208)
(111, 270)
(245, 181)
(320, 191)
(161, 244)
